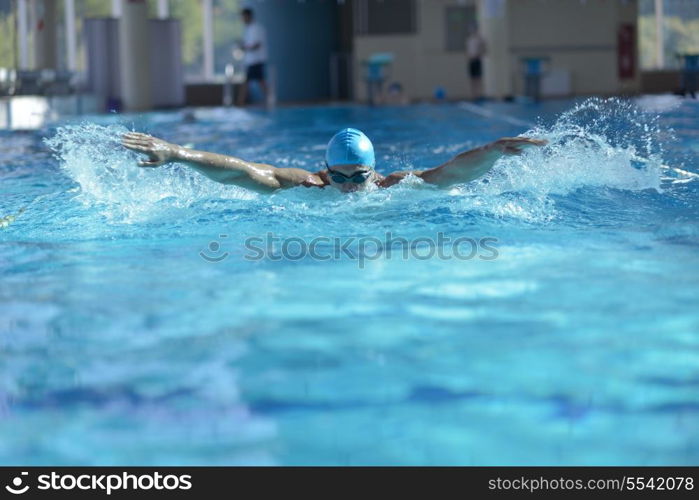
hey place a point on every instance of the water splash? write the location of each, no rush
(598, 144)
(108, 177)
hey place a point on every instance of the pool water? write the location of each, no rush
(136, 326)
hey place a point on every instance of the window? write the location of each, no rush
(190, 14)
(86, 9)
(385, 17)
(459, 21)
(228, 31)
(8, 40)
(677, 21)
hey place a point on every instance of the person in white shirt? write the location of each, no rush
(475, 50)
(255, 47)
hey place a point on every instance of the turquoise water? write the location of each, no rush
(578, 344)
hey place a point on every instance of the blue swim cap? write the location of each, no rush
(350, 146)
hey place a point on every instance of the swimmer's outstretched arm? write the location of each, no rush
(469, 165)
(217, 167)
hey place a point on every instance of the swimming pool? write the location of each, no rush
(137, 326)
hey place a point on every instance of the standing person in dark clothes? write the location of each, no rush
(475, 50)
(255, 47)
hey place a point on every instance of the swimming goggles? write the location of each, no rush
(355, 178)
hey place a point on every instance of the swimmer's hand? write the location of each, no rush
(159, 152)
(515, 145)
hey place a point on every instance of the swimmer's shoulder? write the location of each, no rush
(291, 177)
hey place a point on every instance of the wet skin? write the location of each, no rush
(464, 167)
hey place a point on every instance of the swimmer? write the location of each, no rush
(349, 162)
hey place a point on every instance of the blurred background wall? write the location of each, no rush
(318, 48)
(301, 37)
(579, 39)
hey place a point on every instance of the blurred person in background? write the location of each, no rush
(255, 60)
(475, 50)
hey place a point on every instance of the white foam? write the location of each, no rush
(597, 144)
(109, 177)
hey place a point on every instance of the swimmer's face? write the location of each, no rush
(348, 178)
(247, 18)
